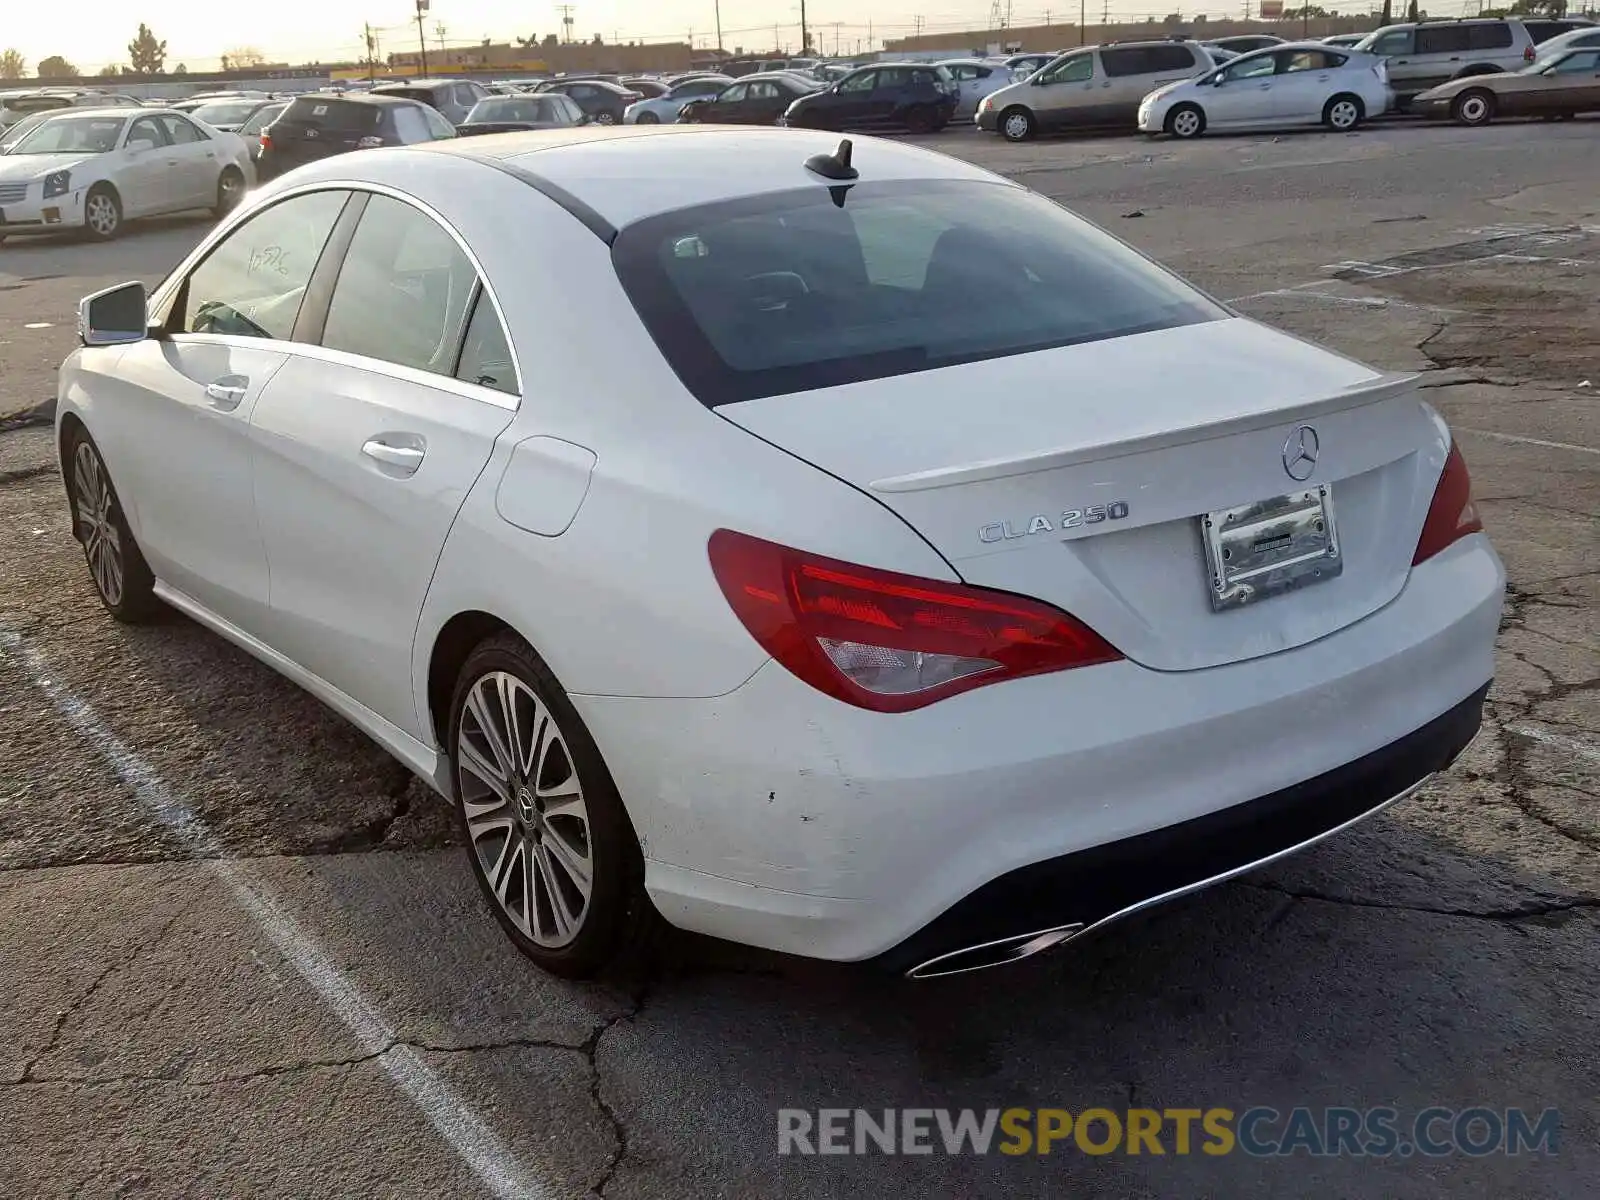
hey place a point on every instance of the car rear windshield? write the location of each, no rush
(325, 112)
(793, 291)
(425, 95)
(33, 104)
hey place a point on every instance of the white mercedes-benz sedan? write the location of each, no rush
(95, 169)
(1300, 83)
(697, 538)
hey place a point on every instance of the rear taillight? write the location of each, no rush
(1452, 515)
(889, 642)
(266, 141)
(1528, 54)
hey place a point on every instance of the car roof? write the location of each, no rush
(431, 81)
(379, 98)
(630, 172)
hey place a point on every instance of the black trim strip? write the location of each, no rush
(318, 298)
(592, 221)
(1088, 886)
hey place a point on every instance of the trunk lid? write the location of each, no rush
(988, 461)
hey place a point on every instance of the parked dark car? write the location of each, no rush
(603, 102)
(452, 97)
(509, 114)
(322, 124)
(911, 96)
(1542, 29)
(251, 130)
(754, 100)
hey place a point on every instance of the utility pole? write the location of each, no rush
(1083, 22)
(372, 53)
(719, 28)
(566, 21)
(422, 41)
(805, 38)
(439, 32)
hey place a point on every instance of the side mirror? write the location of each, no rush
(1219, 81)
(117, 316)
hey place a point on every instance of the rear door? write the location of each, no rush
(1305, 83)
(1442, 50)
(365, 451)
(194, 177)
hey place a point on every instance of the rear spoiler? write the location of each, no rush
(1386, 387)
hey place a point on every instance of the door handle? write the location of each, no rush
(400, 453)
(227, 392)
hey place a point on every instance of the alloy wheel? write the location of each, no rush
(101, 213)
(231, 188)
(1474, 109)
(525, 809)
(1186, 123)
(605, 118)
(1343, 115)
(102, 544)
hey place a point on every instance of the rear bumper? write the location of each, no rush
(779, 817)
(1093, 887)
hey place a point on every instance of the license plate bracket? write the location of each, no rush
(1268, 547)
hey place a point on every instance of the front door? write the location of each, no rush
(1246, 92)
(179, 420)
(852, 104)
(1069, 92)
(144, 178)
(363, 457)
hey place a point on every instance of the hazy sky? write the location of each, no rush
(92, 33)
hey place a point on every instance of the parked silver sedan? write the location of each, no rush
(976, 79)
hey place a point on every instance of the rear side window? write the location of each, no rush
(485, 353)
(1130, 61)
(410, 125)
(1442, 39)
(1488, 37)
(402, 292)
(252, 283)
(1169, 58)
(789, 292)
(325, 113)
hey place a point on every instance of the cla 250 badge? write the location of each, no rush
(1071, 518)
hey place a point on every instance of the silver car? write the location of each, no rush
(1425, 54)
(664, 109)
(976, 79)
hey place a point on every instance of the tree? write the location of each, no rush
(242, 58)
(1314, 12)
(1387, 18)
(550, 41)
(598, 40)
(56, 67)
(146, 54)
(1411, 12)
(180, 69)
(12, 65)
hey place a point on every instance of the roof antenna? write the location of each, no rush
(835, 165)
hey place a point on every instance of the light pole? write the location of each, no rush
(719, 27)
(422, 40)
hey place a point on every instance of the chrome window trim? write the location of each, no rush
(343, 358)
(169, 286)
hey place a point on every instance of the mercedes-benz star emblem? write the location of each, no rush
(1300, 453)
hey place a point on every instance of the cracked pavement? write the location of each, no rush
(156, 1038)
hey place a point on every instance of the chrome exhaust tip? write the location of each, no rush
(996, 953)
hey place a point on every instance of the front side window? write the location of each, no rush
(789, 292)
(862, 82)
(1586, 62)
(402, 291)
(734, 94)
(1397, 41)
(892, 77)
(1070, 70)
(252, 282)
(181, 132)
(1251, 68)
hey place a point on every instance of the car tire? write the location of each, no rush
(102, 213)
(605, 118)
(648, 118)
(1475, 106)
(1186, 121)
(122, 578)
(921, 119)
(506, 696)
(230, 191)
(1017, 124)
(1344, 113)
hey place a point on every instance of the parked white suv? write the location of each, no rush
(1424, 54)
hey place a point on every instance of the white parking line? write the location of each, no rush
(445, 1108)
(1528, 441)
(1569, 744)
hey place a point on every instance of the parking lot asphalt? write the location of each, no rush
(240, 953)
